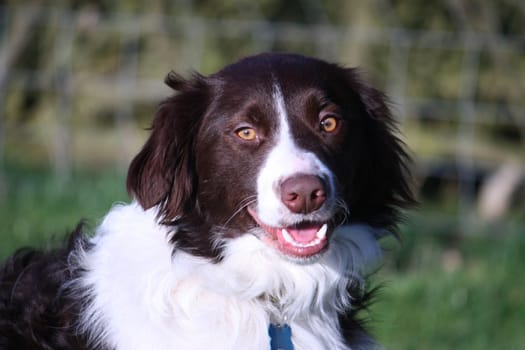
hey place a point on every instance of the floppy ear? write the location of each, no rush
(163, 174)
(381, 186)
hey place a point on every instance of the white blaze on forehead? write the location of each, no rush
(284, 159)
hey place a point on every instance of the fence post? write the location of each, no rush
(13, 43)
(126, 82)
(466, 128)
(61, 145)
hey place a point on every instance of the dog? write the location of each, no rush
(258, 203)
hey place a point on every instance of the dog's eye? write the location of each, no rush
(246, 134)
(329, 124)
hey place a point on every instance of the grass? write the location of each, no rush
(450, 292)
(36, 206)
(443, 288)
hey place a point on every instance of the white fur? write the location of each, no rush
(143, 297)
(284, 160)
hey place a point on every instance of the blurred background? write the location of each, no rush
(80, 82)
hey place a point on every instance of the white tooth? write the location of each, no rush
(322, 232)
(287, 236)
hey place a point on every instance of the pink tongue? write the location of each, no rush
(303, 234)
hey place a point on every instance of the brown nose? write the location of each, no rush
(303, 193)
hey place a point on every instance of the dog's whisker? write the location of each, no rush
(344, 212)
(242, 205)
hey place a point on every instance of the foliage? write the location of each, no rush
(88, 67)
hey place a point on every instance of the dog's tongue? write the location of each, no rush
(300, 241)
(304, 234)
(303, 240)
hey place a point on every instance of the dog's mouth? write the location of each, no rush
(303, 240)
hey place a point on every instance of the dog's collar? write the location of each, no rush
(280, 337)
(280, 332)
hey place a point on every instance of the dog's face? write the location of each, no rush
(283, 147)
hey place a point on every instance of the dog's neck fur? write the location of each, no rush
(182, 301)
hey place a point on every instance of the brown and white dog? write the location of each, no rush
(259, 199)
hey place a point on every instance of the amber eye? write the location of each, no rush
(246, 134)
(329, 124)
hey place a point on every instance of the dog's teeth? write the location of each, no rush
(320, 235)
(322, 232)
(287, 236)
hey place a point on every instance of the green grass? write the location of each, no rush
(446, 291)
(445, 286)
(36, 206)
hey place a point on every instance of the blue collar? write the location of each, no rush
(280, 337)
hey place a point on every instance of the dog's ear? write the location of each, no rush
(382, 183)
(162, 174)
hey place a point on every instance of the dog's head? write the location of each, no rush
(281, 146)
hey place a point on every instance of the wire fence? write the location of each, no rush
(77, 87)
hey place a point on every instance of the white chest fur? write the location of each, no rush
(143, 297)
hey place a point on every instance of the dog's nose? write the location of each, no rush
(303, 193)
